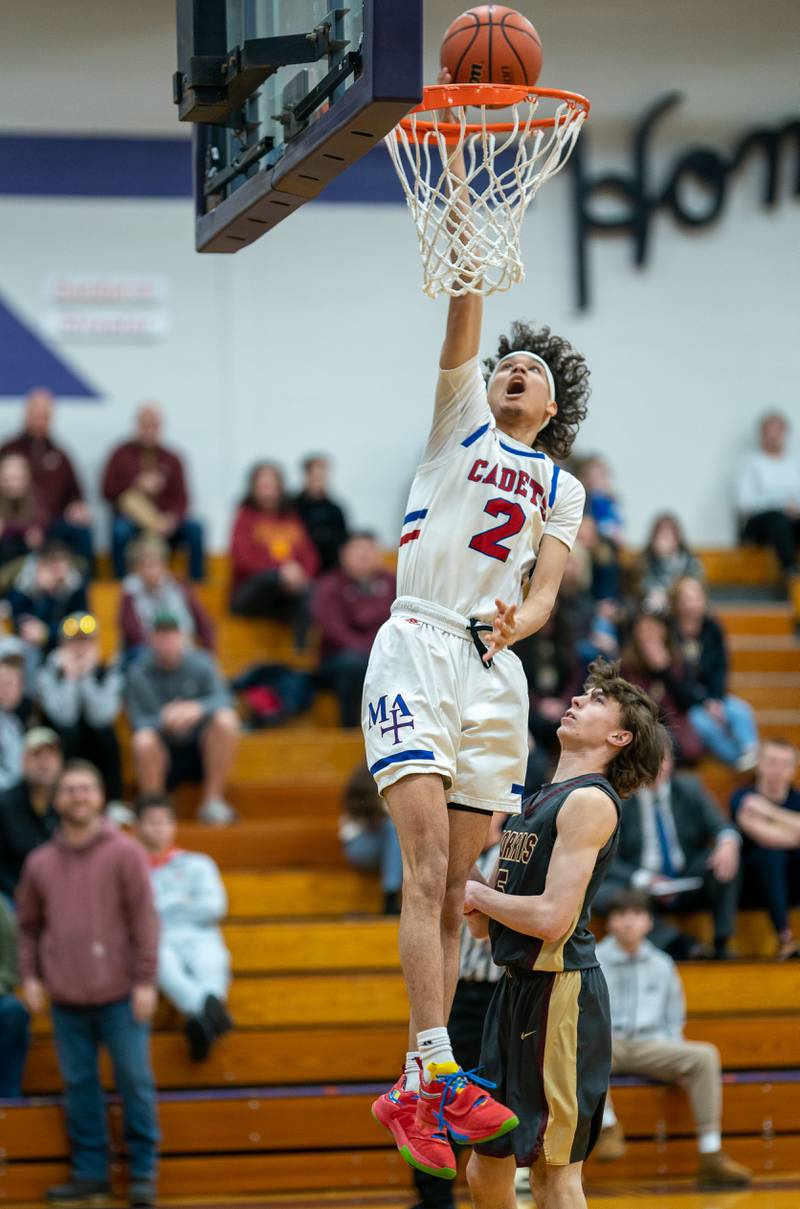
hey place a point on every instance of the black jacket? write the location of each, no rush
(698, 822)
(21, 830)
(706, 661)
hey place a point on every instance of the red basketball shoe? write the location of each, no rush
(456, 1101)
(421, 1146)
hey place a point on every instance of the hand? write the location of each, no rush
(474, 897)
(504, 630)
(143, 1003)
(724, 859)
(150, 482)
(77, 513)
(34, 992)
(179, 716)
(70, 661)
(168, 524)
(715, 708)
(292, 576)
(34, 631)
(34, 537)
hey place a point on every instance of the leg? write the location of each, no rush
(774, 529)
(693, 1063)
(769, 868)
(346, 671)
(150, 761)
(84, 1102)
(209, 963)
(190, 534)
(538, 1178)
(128, 1044)
(419, 812)
(218, 742)
(714, 735)
(564, 1187)
(122, 530)
(741, 723)
(176, 982)
(14, 1042)
(468, 831)
(101, 747)
(260, 596)
(491, 1182)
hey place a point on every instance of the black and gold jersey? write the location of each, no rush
(525, 851)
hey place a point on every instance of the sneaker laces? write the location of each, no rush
(454, 1084)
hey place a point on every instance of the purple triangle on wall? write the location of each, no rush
(26, 361)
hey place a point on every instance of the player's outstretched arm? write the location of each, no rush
(586, 822)
(512, 623)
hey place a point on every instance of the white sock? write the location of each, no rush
(411, 1070)
(434, 1046)
(609, 1116)
(709, 1142)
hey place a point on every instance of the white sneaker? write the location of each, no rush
(120, 815)
(747, 760)
(216, 813)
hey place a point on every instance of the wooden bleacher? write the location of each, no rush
(318, 1000)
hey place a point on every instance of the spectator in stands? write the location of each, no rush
(648, 1014)
(665, 559)
(350, 605)
(66, 516)
(98, 968)
(47, 589)
(185, 728)
(768, 493)
(676, 844)
(81, 699)
(323, 517)
(194, 966)
(369, 839)
(273, 558)
(602, 505)
(14, 1018)
(22, 517)
(150, 589)
(145, 484)
(725, 724)
(27, 816)
(477, 980)
(768, 815)
(12, 729)
(651, 660)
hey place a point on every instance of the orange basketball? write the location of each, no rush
(492, 44)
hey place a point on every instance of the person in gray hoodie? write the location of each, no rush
(81, 698)
(193, 961)
(648, 1013)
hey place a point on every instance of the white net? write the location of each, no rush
(469, 229)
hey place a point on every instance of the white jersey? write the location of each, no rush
(479, 506)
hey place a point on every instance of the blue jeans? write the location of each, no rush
(379, 849)
(730, 739)
(79, 1032)
(189, 533)
(14, 1042)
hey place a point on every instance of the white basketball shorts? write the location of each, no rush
(432, 706)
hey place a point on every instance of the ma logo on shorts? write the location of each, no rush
(389, 718)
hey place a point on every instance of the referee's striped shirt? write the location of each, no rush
(476, 963)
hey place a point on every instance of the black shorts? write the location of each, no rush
(547, 1047)
(185, 761)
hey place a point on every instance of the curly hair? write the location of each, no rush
(570, 374)
(639, 763)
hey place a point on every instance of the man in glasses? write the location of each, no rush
(81, 697)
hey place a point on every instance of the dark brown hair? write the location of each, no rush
(80, 766)
(570, 374)
(630, 900)
(153, 801)
(639, 762)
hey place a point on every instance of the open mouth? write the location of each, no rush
(516, 387)
(568, 716)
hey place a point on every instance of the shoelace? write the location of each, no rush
(455, 1083)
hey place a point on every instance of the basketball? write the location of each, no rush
(492, 44)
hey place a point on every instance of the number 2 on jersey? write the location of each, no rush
(489, 541)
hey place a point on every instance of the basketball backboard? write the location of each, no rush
(284, 96)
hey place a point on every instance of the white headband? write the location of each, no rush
(523, 352)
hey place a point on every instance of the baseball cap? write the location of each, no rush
(41, 736)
